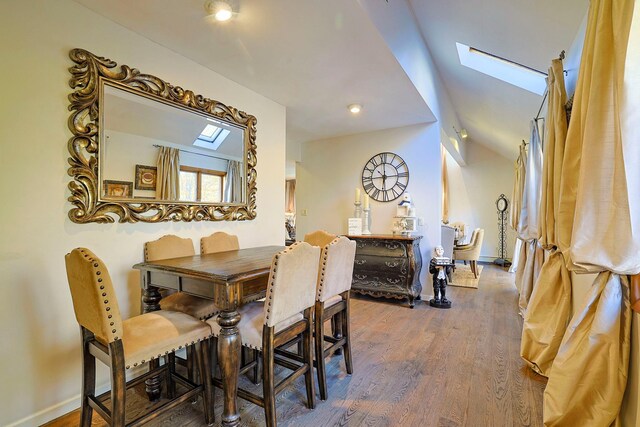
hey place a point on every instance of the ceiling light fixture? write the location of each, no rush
(355, 108)
(219, 9)
(462, 133)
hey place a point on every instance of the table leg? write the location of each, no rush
(151, 302)
(336, 326)
(229, 348)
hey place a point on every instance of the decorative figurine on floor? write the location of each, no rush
(440, 268)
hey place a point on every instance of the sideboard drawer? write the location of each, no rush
(385, 248)
(381, 263)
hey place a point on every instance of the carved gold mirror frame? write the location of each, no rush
(89, 74)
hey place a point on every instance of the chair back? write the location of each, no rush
(319, 238)
(336, 268)
(477, 244)
(474, 236)
(219, 242)
(447, 237)
(292, 282)
(94, 299)
(169, 246)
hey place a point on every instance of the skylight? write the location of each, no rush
(502, 69)
(211, 137)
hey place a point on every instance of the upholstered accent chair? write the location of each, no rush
(125, 344)
(285, 315)
(471, 251)
(219, 242)
(319, 238)
(171, 246)
(332, 301)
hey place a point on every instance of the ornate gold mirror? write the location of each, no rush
(145, 150)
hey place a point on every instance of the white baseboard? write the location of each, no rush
(69, 405)
(48, 414)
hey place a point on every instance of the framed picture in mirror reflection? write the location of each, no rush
(118, 188)
(146, 177)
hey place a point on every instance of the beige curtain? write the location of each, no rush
(589, 374)
(445, 186)
(528, 272)
(516, 207)
(599, 219)
(233, 182)
(528, 221)
(168, 183)
(518, 188)
(549, 309)
(290, 196)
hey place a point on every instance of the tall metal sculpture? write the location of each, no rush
(502, 204)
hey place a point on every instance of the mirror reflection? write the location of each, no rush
(159, 152)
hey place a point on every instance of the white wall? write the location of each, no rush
(331, 170)
(473, 190)
(40, 370)
(398, 27)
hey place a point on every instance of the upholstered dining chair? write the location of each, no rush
(332, 299)
(171, 246)
(285, 315)
(125, 344)
(319, 238)
(471, 251)
(219, 242)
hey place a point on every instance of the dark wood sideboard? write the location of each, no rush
(388, 266)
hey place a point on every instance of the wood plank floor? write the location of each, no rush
(420, 367)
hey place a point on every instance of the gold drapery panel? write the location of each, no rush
(589, 374)
(599, 219)
(518, 188)
(528, 274)
(549, 309)
(445, 185)
(528, 221)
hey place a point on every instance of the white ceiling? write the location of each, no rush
(316, 57)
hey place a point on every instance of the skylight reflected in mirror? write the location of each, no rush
(211, 137)
(502, 69)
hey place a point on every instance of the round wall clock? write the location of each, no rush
(385, 177)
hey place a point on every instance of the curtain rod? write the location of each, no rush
(546, 91)
(193, 152)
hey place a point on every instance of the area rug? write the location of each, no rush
(463, 277)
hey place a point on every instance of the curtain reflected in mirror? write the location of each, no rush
(233, 185)
(168, 179)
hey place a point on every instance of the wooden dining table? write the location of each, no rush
(230, 279)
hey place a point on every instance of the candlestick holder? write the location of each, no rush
(357, 210)
(365, 222)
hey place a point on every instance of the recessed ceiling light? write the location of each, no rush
(219, 9)
(355, 108)
(463, 133)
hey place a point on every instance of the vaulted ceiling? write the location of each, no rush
(532, 33)
(316, 57)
